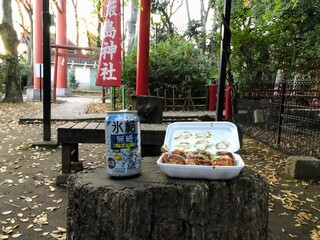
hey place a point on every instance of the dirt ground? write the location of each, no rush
(32, 207)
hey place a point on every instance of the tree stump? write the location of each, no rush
(153, 206)
(149, 108)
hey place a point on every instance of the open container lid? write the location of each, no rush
(202, 136)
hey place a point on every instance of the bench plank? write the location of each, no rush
(80, 125)
(95, 133)
(101, 126)
(68, 125)
(92, 126)
(71, 134)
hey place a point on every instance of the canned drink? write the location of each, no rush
(123, 143)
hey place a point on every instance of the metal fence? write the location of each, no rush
(287, 118)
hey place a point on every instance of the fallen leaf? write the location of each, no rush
(304, 215)
(317, 209)
(310, 200)
(6, 212)
(289, 207)
(293, 236)
(41, 219)
(276, 197)
(9, 229)
(284, 214)
(315, 234)
(24, 219)
(16, 235)
(4, 237)
(62, 229)
(52, 208)
(56, 236)
(285, 185)
(30, 226)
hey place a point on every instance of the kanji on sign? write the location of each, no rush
(109, 68)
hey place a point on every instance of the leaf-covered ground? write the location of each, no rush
(32, 207)
(294, 205)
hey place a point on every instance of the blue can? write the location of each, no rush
(123, 143)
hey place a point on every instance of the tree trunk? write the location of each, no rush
(204, 13)
(212, 37)
(132, 25)
(75, 8)
(10, 41)
(27, 36)
(100, 16)
(188, 11)
(153, 206)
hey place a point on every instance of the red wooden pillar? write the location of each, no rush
(143, 49)
(37, 43)
(227, 106)
(212, 97)
(62, 40)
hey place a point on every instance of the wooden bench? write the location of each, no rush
(72, 133)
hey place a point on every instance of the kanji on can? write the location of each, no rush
(123, 143)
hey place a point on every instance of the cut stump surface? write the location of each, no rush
(153, 206)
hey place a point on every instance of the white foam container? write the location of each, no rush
(202, 136)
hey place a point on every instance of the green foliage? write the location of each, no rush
(271, 35)
(23, 70)
(193, 29)
(173, 64)
(72, 82)
(23, 66)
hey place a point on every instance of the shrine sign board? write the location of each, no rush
(109, 69)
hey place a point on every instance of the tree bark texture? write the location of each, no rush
(10, 41)
(132, 25)
(27, 36)
(153, 206)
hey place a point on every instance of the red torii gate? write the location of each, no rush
(61, 40)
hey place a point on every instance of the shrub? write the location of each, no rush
(173, 64)
(73, 83)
